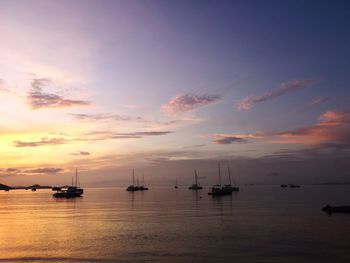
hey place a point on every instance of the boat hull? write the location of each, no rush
(336, 209)
(67, 195)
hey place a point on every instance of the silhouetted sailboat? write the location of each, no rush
(142, 187)
(71, 191)
(229, 187)
(218, 190)
(132, 188)
(196, 185)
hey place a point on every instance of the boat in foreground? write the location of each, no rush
(70, 191)
(336, 209)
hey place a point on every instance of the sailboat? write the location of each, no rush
(143, 187)
(70, 191)
(132, 188)
(195, 186)
(229, 187)
(218, 190)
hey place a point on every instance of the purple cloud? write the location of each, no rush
(189, 102)
(38, 99)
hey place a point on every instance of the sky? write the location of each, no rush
(167, 87)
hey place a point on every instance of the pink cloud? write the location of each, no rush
(331, 127)
(287, 87)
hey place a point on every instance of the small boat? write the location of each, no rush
(284, 185)
(294, 186)
(336, 209)
(33, 189)
(196, 185)
(142, 187)
(133, 187)
(70, 191)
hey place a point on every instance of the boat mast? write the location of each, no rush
(133, 176)
(76, 177)
(195, 176)
(219, 174)
(229, 174)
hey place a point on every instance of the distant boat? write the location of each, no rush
(142, 187)
(284, 185)
(196, 185)
(294, 186)
(133, 187)
(70, 191)
(176, 186)
(33, 189)
(336, 209)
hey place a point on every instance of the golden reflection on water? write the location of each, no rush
(112, 225)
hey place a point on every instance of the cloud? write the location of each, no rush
(81, 153)
(194, 146)
(331, 127)
(319, 100)
(133, 135)
(107, 135)
(228, 139)
(102, 117)
(189, 102)
(30, 171)
(46, 170)
(42, 142)
(287, 87)
(38, 99)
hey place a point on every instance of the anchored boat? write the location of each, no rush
(196, 185)
(70, 191)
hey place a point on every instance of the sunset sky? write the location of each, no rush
(168, 86)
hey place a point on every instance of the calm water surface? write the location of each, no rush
(258, 224)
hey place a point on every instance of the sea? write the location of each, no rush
(257, 224)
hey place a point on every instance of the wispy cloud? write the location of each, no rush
(188, 102)
(102, 117)
(319, 100)
(84, 153)
(38, 99)
(30, 171)
(45, 170)
(42, 142)
(102, 135)
(287, 87)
